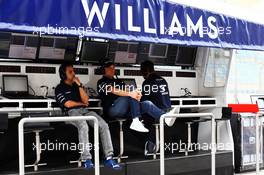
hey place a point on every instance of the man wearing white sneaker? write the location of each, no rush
(117, 102)
(155, 89)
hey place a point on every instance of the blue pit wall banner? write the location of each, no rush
(158, 21)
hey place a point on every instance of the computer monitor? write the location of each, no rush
(186, 56)
(259, 100)
(130, 83)
(23, 46)
(158, 50)
(5, 39)
(58, 48)
(126, 52)
(94, 52)
(15, 84)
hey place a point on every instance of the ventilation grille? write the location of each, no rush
(82, 71)
(10, 69)
(40, 70)
(138, 73)
(186, 74)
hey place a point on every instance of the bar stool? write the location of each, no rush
(37, 128)
(175, 110)
(121, 138)
(79, 161)
(157, 143)
(189, 126)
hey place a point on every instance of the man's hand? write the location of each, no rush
(77, 81)
(139, 95)
(135, 95)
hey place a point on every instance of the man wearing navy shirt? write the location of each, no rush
(154, 89)
(73, 100)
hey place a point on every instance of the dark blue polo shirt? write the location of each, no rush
(65, 92)
(102, 88)
(155, 89)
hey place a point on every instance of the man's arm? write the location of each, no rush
(64, 101)
(83, 94)
(134, 94)
(104, 88)
(72, 104)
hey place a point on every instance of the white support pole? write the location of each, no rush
(186, 115)
(258, 125)
(57, 119)
(162, 151)
(213, 146)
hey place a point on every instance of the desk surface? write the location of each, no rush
(49, 104)
(4, 99)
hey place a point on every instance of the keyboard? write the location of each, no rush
(23, 97)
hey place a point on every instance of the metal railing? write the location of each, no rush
(57, 119)
(258, 125)
(187, 115)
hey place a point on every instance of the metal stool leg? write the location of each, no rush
(189, 142)
(189, 139)
(216, 133)
(79, 162)
(121, 142)
(38, 153)
(157, 141)
(121, 137)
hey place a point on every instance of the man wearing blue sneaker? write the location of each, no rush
(73, 100)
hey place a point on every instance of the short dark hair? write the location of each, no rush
(147, 67)
(108, 64)
(62, 69)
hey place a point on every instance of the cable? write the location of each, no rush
(34, 93)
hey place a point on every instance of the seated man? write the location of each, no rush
(120, 102)
(72, 98)
(155, 89)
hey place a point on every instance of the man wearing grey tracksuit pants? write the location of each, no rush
(73, 100)
(83, 129)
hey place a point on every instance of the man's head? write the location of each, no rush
(109, 69)
(146, 68)
(67, 72)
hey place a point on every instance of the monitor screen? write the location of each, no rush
(32, 41)
(4, 44)
(71, 49)
(158, 50)
(94, 52)
(126, 53)
(186, 56)
(15, 83)
(131, 84)
(23, 46)
(259, 100)
(58, 48)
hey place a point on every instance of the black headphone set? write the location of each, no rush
(105, 65)
(62, 72)
(62, 69)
